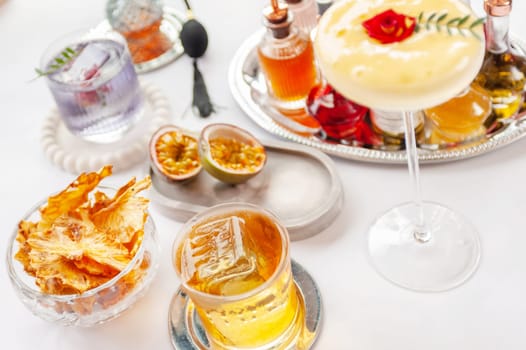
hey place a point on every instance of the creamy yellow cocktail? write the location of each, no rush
(429, 67)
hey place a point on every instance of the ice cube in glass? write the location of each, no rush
(95, 87)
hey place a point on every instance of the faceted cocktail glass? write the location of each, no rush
(233, 261)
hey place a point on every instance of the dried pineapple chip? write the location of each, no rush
(95, 247)
(61, 276)
(125, 214)
(25, 228)
(75, 195)
(80, 243)
(95, 268)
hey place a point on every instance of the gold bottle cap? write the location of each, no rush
(276, 16)
(278, 21)
(497, 8)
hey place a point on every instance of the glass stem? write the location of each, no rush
(421, 233)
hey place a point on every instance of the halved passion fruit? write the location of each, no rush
(230, 154)
(173, 154)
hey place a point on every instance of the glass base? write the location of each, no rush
(76, 155)
(443, 262)
(187, 332)
(112, 129)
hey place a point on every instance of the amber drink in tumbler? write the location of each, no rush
(234, 264)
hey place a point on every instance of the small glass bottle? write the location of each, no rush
(390, 125)
(139, 21)
(286, 57)
(305, 13)
(503, 72)
(460, 119)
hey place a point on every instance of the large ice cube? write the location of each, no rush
(217, 253)
(89, 59)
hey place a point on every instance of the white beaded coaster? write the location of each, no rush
(76, 155)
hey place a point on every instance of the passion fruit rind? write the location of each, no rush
(248, 153)
(174, 155)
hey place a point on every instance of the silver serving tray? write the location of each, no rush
(298, 184)
(247, 86)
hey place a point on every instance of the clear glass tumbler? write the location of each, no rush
(92, 78)
(233, 261)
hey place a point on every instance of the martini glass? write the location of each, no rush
(420, 245)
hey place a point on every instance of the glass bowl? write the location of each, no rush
(96, 305)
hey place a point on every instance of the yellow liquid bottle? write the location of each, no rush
(503, 72)
(460, 119)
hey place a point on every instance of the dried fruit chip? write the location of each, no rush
(60, 276)
(125, 214)
(82, 242)
(75, 195)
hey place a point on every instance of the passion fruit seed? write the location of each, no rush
(177, 153)
(236, 155)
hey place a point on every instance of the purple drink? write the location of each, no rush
(97, 92)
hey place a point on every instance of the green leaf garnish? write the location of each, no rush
(477, 22)
(441, 18)
(463, 20)
(455, 25)
(66, 56)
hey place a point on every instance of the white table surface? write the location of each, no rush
(362, 310)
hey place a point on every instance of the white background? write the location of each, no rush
(362, 310)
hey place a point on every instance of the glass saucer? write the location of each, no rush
(187, 333)
(171, 27)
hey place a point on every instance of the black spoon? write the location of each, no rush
(195, 41)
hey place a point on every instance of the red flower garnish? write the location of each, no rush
(390, 27)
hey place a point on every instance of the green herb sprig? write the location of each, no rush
(462, 25)
(66, 56)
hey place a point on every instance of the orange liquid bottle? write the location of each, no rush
(291, 73)
(286, 57)
(139, 21)
(147, 43)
